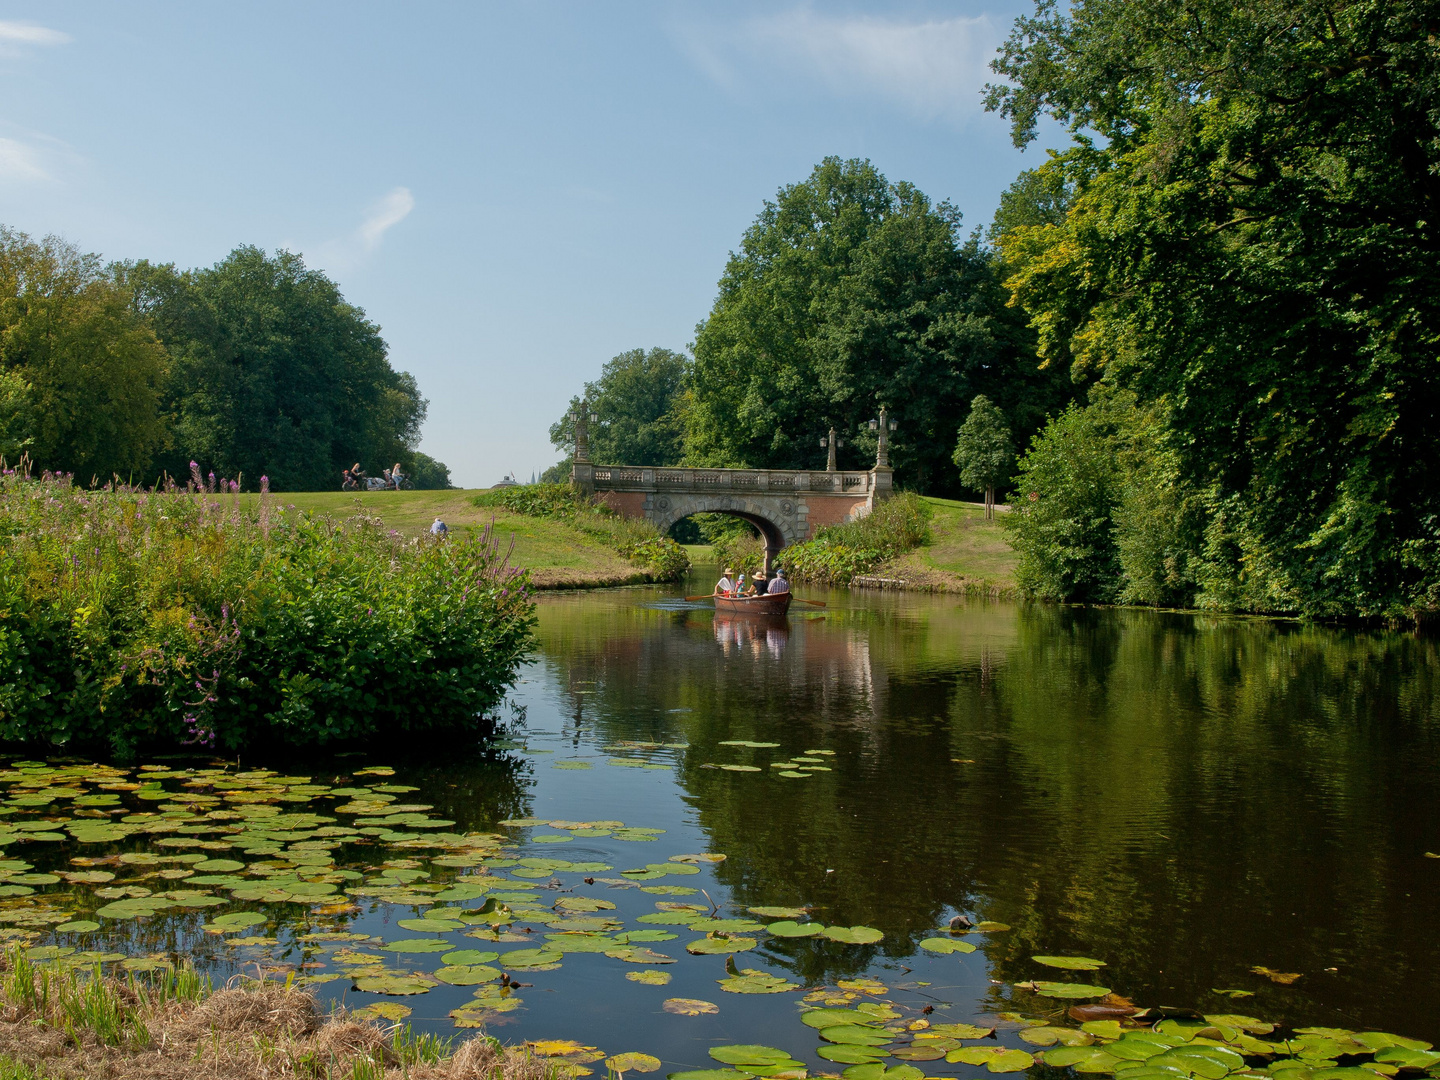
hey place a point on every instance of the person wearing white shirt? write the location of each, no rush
(725, 586)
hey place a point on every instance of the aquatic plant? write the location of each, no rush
(179, 616)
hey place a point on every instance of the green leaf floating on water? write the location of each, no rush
(875, 1070)
(395, 985)
(853, 935)
(751, 745)
(778, 912)
(823, 1018)
(718, 946)
(1070, 963)
(751, 981)
(1064, 990)
(856, 1035)
(995, 1059)
(430, 926)
(790, 929)
(467, 974)
(945, 946)
(649, 978)
(469, 956)
(749, 1054)
(741, 768)
(570, 765)
(239, 920)
(708, 1074)
(529, 958)
(852, 1055)
(417, 945)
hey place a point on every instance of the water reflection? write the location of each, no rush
(1185, 797)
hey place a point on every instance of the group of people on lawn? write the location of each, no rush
(729, 585)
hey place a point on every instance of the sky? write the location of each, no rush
(513, 192)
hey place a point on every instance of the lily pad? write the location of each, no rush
(995, 1059)
(394, 985)
(649, 978)
(530, 958)
(689, 1006)
(467, 975)
(238, 920)
(788, 928)
(748, 1054)
(718, 946)
(417, 945)
(876, 1070)
(469, 956)
(1065, 990)
(632, 1062)
(945, 946)
(1070, 963)
(383, 1010)
(852, 1055)
(856, 1035)
(752, 981)
(778, 912)
(853, 935)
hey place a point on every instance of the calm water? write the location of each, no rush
(1184, 798)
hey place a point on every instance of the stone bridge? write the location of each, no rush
(786, 506)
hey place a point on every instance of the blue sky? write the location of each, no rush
(514, 192)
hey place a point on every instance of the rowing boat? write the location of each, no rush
(772, 604)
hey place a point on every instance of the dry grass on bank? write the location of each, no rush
(67, 1024)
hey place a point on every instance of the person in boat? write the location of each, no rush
(759, 585)
(726, 585)
(778, 584)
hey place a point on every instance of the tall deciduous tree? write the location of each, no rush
(275, 373)
(1254, 249)
(639, 400)
(984, 451)
(849, 293)
(81, 375)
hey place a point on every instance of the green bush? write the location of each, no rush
(151, 619)
(841, 552)
(638, 541)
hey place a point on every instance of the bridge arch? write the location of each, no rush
(780, 521)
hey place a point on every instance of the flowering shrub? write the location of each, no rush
(144, 619)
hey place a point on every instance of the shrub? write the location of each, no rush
(144, 619)
(838, 553)
(638, 541)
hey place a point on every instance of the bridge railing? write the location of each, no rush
(619, 478)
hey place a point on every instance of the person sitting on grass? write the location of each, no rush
(439, 529)
(779, 584)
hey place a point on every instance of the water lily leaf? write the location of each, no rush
(1284, 978)
(417, 945)
(80, 926)
(922, 1051)
(467, 975)
(632, 1062)
(853, 935)
(634, 937)
(1210, 1062)
(649, 978)
(823, 1018)
(708, 1074)
(790, 929)
(741, 768)
(634, 955)
(956, 1031)
(466, 957)
(752, 981)
(1070, 963)
(875, 1070)
(570, 765)
(430, 926)
(562, 1048)
(89, 877)
(383, 1010)
(394, 985)
(689, 1006)
(1375, 1040)
(778, 912)
(717, 946)
(1049, 1036)
(751, 745)
(1064, 990)
(238, 920)
(946, 945)
(530, 958)
(791, 774)
(852, 1055)
(749, 1054)
(856, 1035)
(726, 926)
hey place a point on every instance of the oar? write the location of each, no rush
(817, 603)
(702, 596)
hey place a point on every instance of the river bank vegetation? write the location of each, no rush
(185, 617)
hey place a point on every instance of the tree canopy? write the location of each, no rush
(638, 400)
(1250, 249)
(984, 451)
(849, 293)
(81, 375)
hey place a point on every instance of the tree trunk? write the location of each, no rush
(989, 503)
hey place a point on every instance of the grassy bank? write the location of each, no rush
(59, 1023)
(965, 553)
(557, 555)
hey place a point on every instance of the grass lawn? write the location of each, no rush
(556, 555)
(965, 552)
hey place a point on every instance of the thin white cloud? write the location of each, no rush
(19, 33)
(349, 251)
(384, 215)
(933, 68)
(20, 161)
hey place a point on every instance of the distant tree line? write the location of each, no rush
(255, 366)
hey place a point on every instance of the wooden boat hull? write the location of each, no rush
(778, 604)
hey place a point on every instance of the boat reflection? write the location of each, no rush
(755, 634)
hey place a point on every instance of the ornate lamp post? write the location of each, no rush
(582, 418)
(883, 427)
(832, 441)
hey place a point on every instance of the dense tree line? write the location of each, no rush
(255, 366)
